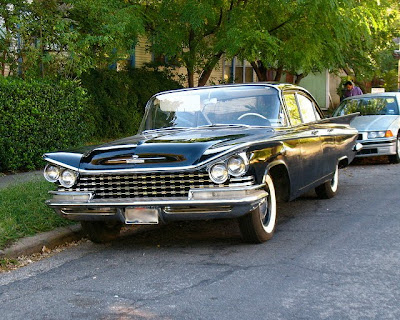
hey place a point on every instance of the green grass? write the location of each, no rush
(24, 213)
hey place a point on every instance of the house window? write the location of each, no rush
(238, 71)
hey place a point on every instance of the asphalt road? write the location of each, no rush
(329, 259)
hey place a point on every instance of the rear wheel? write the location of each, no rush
(259, 225)
(101, 231)
(395, 158)
(328, 189)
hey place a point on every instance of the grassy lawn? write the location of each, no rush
(24, 213)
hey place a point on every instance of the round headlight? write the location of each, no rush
(236, 166)
(68, 178)
(51, 173)
(219, 173)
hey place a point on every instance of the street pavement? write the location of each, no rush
(329, 259)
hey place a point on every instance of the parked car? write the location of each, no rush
(202, 153)
(378, 124)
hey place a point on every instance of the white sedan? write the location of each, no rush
(378, 124)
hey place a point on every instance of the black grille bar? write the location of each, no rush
(147, 185)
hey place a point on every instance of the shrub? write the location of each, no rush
(39, 116)
(118, 98)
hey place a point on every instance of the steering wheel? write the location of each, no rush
(252, 114)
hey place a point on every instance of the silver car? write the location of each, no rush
(378, 124)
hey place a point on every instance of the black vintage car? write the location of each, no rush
(213, 152)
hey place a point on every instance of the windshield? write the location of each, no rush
(244, 105)
(369, 106)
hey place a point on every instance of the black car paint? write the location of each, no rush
(307, 151)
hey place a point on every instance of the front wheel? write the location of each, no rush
(259, 225)
(328, 189)
(395, 158)
(101, 231)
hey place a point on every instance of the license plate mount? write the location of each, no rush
(141, 215)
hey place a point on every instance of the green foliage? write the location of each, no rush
(192, 33)
(39, 116)
(48, 38)
(118, 99)
(23, 211)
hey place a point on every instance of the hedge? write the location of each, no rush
(39, 116)
(118, 98)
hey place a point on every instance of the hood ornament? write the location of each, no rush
(134, 159)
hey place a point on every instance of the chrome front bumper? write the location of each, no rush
(200, 204)
(377, 148)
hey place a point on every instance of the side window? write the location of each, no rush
(306, 108)
(293, 111)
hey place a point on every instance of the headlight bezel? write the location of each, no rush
(73, 175)
(60, 175)
(376, 134)
(218, 166)
(47, 175)
(244, 163)
(227, 166)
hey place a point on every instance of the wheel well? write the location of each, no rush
(281, 180)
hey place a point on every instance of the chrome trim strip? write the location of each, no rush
(120, 146)
(257, 195)
(60, 164)
(72, 193)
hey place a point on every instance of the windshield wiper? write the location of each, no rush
(224, 125)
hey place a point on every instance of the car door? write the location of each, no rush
(302, 118)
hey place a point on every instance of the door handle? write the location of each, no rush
(314, 132)
(330, 129)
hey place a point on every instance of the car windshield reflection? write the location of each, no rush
(218, 106)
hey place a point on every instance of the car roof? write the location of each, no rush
(276, 85)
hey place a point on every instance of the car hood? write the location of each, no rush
(373, 123)
(164, 148)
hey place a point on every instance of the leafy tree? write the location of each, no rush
(192, 33)
(298, 36)
(314, 35)
(376, 23)
(65, 38)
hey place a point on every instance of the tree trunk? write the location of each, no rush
(299, 77)
(205, 75)
(260, 70)
(278, 74)
(190, 74)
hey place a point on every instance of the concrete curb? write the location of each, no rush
(50, 239)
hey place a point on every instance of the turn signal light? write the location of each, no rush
(388, 134)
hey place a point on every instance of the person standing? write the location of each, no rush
(351, 90)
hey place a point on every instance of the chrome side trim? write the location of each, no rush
(60, 164)
(120, 146)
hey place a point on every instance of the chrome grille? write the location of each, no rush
(148, 185)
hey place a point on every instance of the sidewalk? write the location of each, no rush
(34, 244)
(7, 180)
